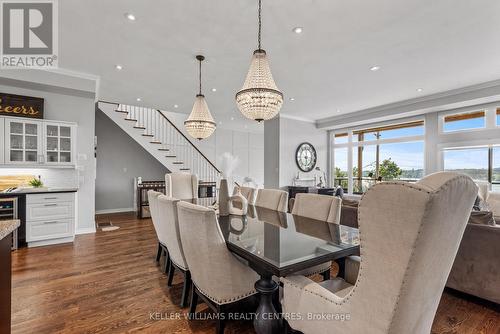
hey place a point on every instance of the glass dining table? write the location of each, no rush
(279, 244)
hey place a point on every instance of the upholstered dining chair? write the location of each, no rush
(322, 208)
(219, 278)
(409, 236)
(159, 228)
(272, 199)
(247, 192)
(167, 210)
(181, 185)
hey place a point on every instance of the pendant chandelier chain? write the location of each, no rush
(200, 76)
(260, 22)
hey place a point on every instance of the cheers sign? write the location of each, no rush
(21, 106)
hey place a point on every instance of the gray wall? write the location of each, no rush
(72, 105)
(119, 160)
(272, 153)
(282, 136)
(292, 134)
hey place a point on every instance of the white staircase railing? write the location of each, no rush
(180, 153)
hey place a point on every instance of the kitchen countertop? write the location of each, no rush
(44, 191)
(7, 226)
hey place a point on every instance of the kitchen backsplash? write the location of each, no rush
(52, 178)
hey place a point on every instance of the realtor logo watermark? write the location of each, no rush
(29, 36)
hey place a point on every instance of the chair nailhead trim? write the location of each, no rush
(225, 301)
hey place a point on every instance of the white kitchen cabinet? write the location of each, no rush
(37, 142)
(23, 141)
(50, 218)
(52, 230)
(59, 144)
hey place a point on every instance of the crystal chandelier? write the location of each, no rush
(259, 99)
(200, 123)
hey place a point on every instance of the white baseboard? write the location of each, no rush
(85, 230)
(50, 242)
(106, 211)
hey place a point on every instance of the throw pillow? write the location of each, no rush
(482, 218)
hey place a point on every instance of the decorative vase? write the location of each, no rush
(223, 198)
(238, 197)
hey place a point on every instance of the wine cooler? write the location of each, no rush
(8, 211)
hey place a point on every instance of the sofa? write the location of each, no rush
(476, 269)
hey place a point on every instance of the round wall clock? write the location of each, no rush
(305, 156)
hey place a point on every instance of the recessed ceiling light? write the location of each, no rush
(292, 99)
(220, 122)
(246, 126)
(119, 67)
(297, 30)
(374, 68)
(232, 118)
(138, 99)
(420, 90)
(130, 17)
(338, 110)
(176, 106)
(214, 89)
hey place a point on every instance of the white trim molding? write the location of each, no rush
(117, 210)
(87, 230)
(487, 92)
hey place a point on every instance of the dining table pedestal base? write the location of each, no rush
(267, 320)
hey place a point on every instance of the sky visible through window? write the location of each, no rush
(471, 161)
(408, 155)
(473, 123)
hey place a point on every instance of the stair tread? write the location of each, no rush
(177, 163)
(147, 135)
(155, 142)
(139, 127)
(163, 149)
(170, 156)
(130, 119)
(123, 111)
(184, 168)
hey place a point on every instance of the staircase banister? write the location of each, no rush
(188, 140)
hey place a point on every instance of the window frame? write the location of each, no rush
(490, 112)
(351, 145)
(490, 147)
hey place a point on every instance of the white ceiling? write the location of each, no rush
(436, 45)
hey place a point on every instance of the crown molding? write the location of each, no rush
(298, 118)
(480, 93)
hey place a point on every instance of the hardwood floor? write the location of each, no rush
(109, 282)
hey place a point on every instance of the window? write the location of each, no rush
(469, 161)
(364, 166)
(498, 116)
(379, 154)
(341, 138)
(409, 157)
(495, 169)
(464, 121)
(340, 169)
(390, 132)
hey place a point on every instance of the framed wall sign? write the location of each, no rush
(21, 106)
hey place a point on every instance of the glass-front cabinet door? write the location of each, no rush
(23, 141)
(58, 143)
